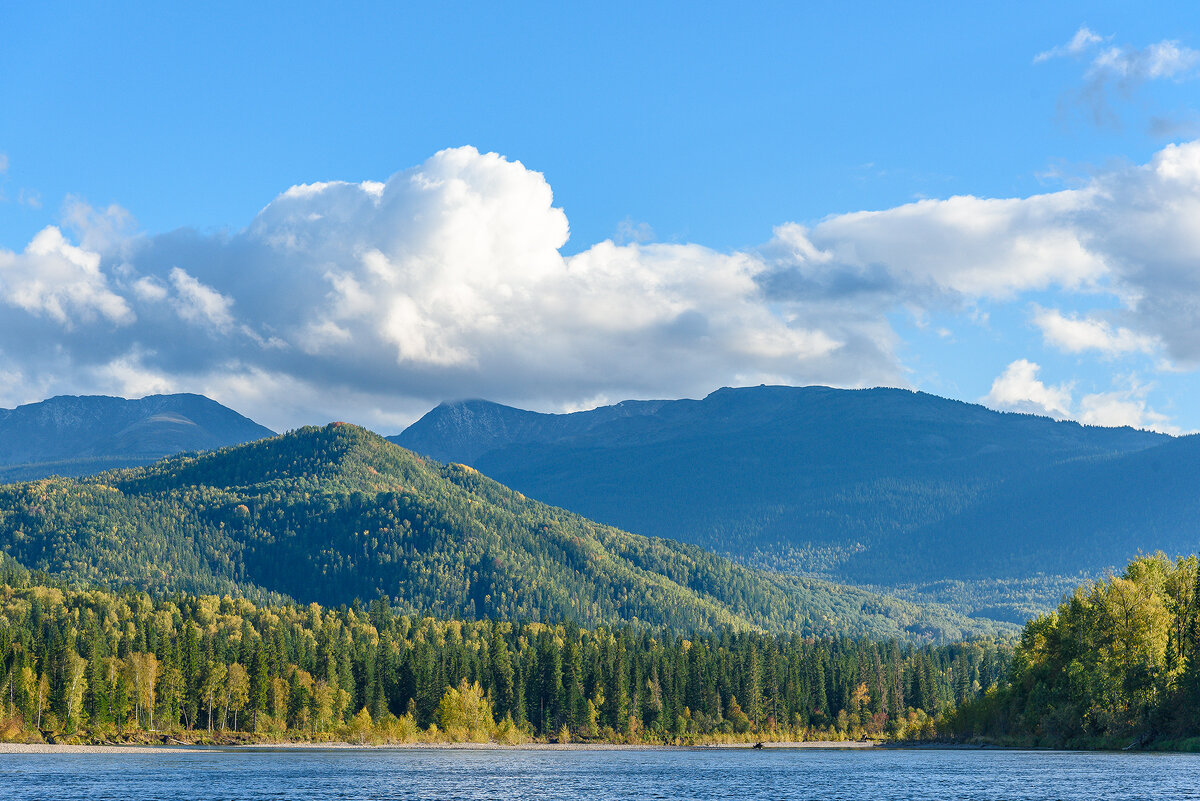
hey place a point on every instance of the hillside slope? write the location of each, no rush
(1085, 511)
(331, 514)
(881, 485)
(76, 435)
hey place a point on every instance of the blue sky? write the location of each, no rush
(148, 243)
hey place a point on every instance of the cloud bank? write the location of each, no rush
(375, 300)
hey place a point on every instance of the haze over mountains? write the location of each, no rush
(881, 486)
(78, 435)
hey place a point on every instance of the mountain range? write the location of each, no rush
(920, 495)
(78, 435)
(911, 498)
(337, 513)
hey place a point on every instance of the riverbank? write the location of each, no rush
(828, 745)
(63, 748)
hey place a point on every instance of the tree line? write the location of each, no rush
(99, 666)
(1116, 665)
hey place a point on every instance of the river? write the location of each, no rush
(594, 775)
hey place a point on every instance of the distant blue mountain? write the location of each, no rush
(884, 486)
(1082, 514)
(77, 435)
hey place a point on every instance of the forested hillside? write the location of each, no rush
(1117, 665)
(74, 436)
(337, 513)
(882, 486)
(98, 666)
(1098, 508)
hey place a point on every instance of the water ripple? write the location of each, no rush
(642, 775)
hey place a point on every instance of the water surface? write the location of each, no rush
(776, 774)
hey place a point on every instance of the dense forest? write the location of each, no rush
(875, 486)
(97, 666)
(1117, 665)
(330, 514)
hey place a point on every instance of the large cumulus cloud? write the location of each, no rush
(379, 299)
(374, 300)
(1128, 240)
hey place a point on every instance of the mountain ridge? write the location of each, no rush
(469, 428)
(79, 434)
(335, 513)
(811, 480)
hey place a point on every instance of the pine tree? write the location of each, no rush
(502, 674)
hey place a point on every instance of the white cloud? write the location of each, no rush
(1018, 389)
(1126, 407)
(3, 163)
(1130, 233)
(968, 246)
(127, 376)
(18, 387)
(1118, 70)
(104, 229)
(149, 289)
(60, 281)
(448, 281)
(629, 230)
(195, 302)
(1074, 334)
(1165, 59)
(1082, 41)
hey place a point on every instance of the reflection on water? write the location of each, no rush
(824, 775)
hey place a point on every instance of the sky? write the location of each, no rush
(356, 211)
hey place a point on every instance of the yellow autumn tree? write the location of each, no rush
(360, 728)
(465, 713)
(75, 684)
(237, 689)
(142, 671)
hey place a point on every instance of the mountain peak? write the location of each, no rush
(335, 512)
(79, 434)
(845, 482)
